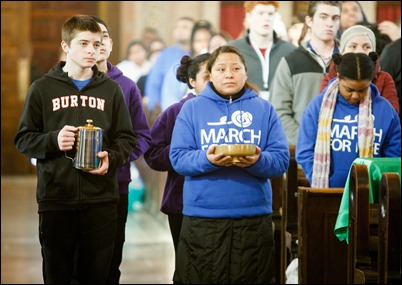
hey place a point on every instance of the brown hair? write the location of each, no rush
(312, 9)
(79, 23)
(250, 5)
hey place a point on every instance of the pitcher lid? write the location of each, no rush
(89, 125)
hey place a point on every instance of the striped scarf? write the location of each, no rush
(322, 148)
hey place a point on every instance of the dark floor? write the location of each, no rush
(148, 251)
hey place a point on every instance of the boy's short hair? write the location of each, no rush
(79, 23)
(100, 21)
(313, 6)
(250, 5)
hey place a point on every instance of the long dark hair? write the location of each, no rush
(200, 25)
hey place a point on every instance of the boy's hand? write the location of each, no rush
(104, 164)
(66, 137)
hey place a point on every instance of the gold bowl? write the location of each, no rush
(236, 150)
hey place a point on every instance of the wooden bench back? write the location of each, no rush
(389, 232)
(363, 265)
(322, 257)
(295, 177)
(285, 213)
(278, 185)
(358, 232)
(292, 186)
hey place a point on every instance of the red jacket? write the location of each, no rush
(382, 79)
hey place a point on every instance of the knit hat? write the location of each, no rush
(357, 30)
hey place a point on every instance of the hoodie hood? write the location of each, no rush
(57, 73)
(113, 71)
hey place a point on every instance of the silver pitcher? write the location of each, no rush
(88, 144)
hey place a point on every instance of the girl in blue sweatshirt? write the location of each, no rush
(226, 235)
(350, 119)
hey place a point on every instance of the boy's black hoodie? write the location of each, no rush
(54, 101)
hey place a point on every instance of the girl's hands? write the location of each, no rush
(220, 159)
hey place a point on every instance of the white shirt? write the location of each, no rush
(134, 71)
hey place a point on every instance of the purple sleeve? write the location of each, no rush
(140, 124)
(157, 155)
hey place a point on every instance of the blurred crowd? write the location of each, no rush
(156, 77)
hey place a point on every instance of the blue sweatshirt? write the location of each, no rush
(133, 98)
(154, 81)
(212, 191)
(344, 143)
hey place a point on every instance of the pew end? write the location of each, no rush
(374, 256)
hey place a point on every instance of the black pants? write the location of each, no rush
(114, 272)
(175, 222)
(226, 251)
(91, 231)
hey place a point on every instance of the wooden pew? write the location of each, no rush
(279, 218)
(322, 257)
(295, 177)
(285, 214)
(359, 260)
(374, 257)
(292, 187)
(285, 207)
(389, 229)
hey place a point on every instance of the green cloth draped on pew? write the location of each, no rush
(376, 166)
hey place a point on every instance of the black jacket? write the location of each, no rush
(54, 101)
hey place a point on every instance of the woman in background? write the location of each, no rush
(173, 90)
(351, 14)
(361, 39)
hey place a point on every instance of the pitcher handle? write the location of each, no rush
(65, 154)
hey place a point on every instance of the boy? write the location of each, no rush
(298, 76)
(261, 46)
(132, 96)
(77, 209)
